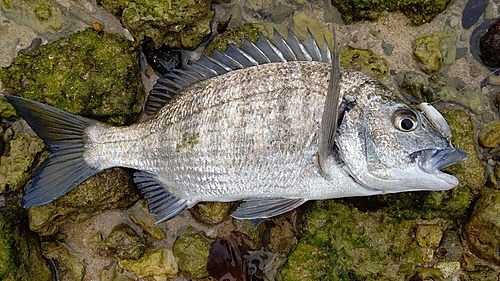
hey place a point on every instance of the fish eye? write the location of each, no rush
(405, 120)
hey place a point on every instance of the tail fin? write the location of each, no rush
(64, 134)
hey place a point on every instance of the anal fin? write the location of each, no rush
(160, 201)
(261, 208)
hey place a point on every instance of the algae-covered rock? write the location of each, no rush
(483, 228)
(191, 249)
(429, 235)
(417, 11)
(158, 264)
(301, 22)
(427, 52)
(180, 23)
(20, 258)
(124, 243)
(108, 190)
(236, 36)
(415, 85)
(212, 213)
(70, 264)
(88, 73)
(146, 221)
(490, 135)
(470, 173)
(7, 111)
(21, 153)
(363, 60)
(342, 243)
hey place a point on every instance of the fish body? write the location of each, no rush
(252, 133)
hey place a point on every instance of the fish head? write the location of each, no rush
(390, 147)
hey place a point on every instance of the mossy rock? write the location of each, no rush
(177, 23)
(427, 52)
(236, 36)
(70, 265)
(363, 60)
(192, 249)
(108, 190)
(417, 11)
(93, 74)
(124, 243)
(20, 258)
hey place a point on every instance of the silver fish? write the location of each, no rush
(251, 124)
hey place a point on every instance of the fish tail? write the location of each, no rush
(64, 134)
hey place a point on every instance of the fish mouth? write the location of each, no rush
(433, 160)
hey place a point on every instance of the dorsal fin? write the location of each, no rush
(249, 54)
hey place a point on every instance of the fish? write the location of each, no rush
(272, 124)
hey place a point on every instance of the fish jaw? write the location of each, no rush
(432, 161)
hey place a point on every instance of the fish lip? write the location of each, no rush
(433, 160)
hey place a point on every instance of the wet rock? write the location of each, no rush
(20, 257)
(363, 60)
(424, 274)
(93, 74)
(212, 213)
(483, 273)
(483, 227)
(472, 11)
(388, 48)
(70, 265)
(146, 221)
(427, 52)
(47, 18)
(489, 136)
(263, 7)
(157, 264)
(180, 24)
(108, 190)
(281, 12)
(416, 86)
(163, 59)
(236, 36)
(461, 52)
(301, 22)
(21, 154)
(111, 273)
(124, 243)
(417, 11)
(489, 46)
(429, 236)
(231, 257)
(191, 249)
(7, 112)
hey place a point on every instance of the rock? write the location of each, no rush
(417, 11)
(429, 236)
(111, 273)
(489, 136)
(472, 11)
(301, 22)
(70, 264)
(461, 52)
(124, 243)
(21, 257)
(388, 48)
(489, 46)
(21, 154)
(212, 213)
(483, 227)
(108, 190)
(281, 12)
(235, 36)
(7, 112)
(179, 24)
(93, 74)
(427, 52)
(416, 86)
(363, 60)
(263, 7)
(146, 221)
(158, 264)
(191, 249)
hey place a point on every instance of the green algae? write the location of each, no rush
(191, 249)
(427, 52)
(184, 24)
(124, 243)
(67, 260)
(158, 264)
(20, 258)
(417, 11)
(88, 73)
(212, 213)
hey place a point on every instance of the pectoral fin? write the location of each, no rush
(160, 202)
(259, 208)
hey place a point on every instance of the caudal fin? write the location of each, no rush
(64, 134)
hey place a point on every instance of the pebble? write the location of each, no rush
(489, 46)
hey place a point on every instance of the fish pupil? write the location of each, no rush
(406, 124)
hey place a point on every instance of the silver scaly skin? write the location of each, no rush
(246, 125)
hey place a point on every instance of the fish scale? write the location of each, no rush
(249, 125)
